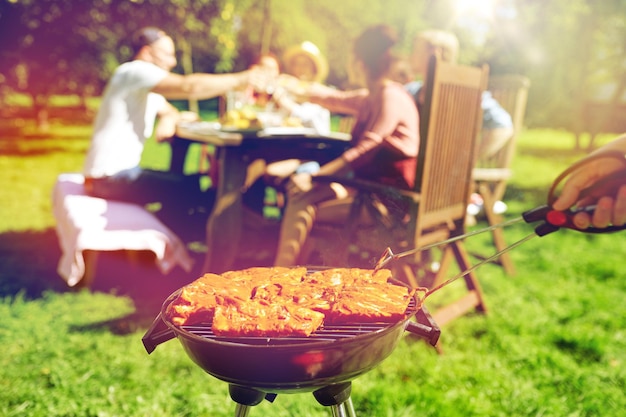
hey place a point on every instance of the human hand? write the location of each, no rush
(262, 79)
(166, 128)
(295, 87)
(609, 199)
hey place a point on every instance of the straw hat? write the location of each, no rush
(311, 51)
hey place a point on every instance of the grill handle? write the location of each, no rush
(158, 333)
(424, 326)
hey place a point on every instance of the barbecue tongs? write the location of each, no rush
(552, 220)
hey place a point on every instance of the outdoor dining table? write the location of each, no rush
(235, 151)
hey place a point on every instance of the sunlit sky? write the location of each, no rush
(482, 9)
(478, 15)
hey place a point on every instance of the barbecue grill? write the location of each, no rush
(325, 363)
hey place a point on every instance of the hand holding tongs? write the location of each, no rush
(551, 219)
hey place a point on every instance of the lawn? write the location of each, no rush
(553, 343)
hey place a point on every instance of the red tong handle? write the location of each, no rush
(555, 219)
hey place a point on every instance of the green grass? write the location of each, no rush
(553, 342)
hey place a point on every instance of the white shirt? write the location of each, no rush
(125, 119)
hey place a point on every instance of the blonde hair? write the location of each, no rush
(446, 42)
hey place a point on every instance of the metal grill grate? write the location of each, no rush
(327, 333)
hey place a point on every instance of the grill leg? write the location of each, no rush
(242, 410)
(345, 409)
(245, 398)
(337, 397)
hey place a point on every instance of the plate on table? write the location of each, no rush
(208, 132)
(289, 131)
(234, 129)
(201, 128)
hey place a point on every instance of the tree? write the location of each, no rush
(69, 47)
(43, 52)
(331, 25)
(566, 47)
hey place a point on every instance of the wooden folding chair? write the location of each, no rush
(492, 174)
(346, 122)
(435, 210)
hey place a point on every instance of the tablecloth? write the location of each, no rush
(89, 223)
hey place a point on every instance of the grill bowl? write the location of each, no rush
(331, 355)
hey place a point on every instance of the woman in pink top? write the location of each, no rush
(385, 141)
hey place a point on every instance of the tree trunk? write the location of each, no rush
(40, 105)
(266, 37)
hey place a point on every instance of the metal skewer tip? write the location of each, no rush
(384, 259)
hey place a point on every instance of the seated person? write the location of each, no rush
(135, 96)
(303, 64)
(401, 71)
(384, 145)
(497, 126)
(261, 96)
(277, 98)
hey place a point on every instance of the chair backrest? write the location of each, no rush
(451, 119)
(346, 122)
(511, 91)
(435, 210)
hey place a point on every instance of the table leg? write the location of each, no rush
(224, 224)
(179, 147)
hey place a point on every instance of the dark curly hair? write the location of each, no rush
(374, 46)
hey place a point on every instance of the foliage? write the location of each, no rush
(332, 26)
(567, 48)
(570, 49)
(63, 46)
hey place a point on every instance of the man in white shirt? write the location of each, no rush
(134, 98)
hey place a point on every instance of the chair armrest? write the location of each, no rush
(370, 186)
(491, 174)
